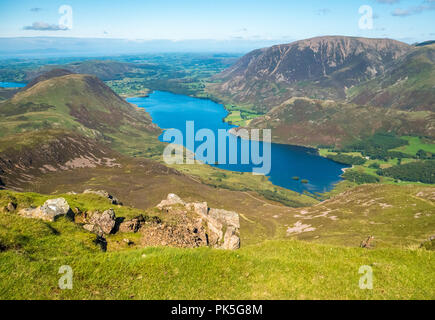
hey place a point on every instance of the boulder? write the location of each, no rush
(102, 221)
(49, 211)
(231, 240)
(94, 229)
(229, 218)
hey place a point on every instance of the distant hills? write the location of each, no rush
(103, 69)
(425, 43)
(89, 47)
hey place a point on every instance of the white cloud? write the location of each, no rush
(43, 26)
(425, 6)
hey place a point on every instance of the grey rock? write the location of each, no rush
(94, 229)
(49, 211)
(225, 225)
(200, 208)
(105, 221)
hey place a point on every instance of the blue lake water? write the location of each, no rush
(11, 85)
(170, 110)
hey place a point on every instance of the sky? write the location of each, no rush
(277, 20)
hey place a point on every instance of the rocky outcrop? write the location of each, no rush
(49, 211)
(181, 224)
(217, 228)
(226, 227)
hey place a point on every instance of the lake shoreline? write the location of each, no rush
(171, 110)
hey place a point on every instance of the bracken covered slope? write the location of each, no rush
(408, 84)
(309, 122)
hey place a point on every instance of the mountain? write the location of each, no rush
(425, 43)
(409, 84)
(75, 102)
(334, 90)
(322, 67)
(62, 120)
(309, 122)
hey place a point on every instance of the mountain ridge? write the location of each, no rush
(333, 90)
(321, 67)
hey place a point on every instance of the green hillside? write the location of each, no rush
(79, 104)
(273, 270)
(32, 251)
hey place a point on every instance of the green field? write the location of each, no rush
(416, 144)
(371, 166)
(240, 115)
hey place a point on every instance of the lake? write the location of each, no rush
(170, 110)
(11, 85)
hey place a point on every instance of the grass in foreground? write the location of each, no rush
(271, 270)
(32, 251)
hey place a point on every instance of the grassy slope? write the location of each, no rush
(260, 270)
(271, 270)
(147, 187)
(399, 216)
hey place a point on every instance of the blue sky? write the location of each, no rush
(281, 20)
